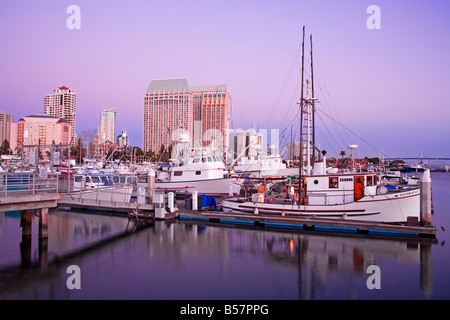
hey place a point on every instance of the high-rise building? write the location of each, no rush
(168, 110)
(212, 115)
(43, 129)
(61, 104)
(5, 126)
(106, 126)
(172, 107)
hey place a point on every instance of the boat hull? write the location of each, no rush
(113, 194)
(387, 208)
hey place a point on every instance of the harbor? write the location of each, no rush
(224, 159)
(132, 222)
(194, 250)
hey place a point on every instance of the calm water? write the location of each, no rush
(191, 260)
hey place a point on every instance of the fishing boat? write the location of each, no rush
(317, 193)
(90, 181)
(202, 172)
(263, 166)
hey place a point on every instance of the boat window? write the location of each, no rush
(122, 179)
(203, 159)
(333, 182)
(95, 179)
(369, 180)
(116, 179)
(178, 173)
(78, 178)
(210, 159)
(198, 173)
(196, 160)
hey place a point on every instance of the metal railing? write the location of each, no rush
(26, 183)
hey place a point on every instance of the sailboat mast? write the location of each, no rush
(312, 103)
(300, 166)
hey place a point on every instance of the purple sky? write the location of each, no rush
(389, 86)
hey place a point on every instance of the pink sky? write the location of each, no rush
(389, 86)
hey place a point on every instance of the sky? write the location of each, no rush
(382, 89)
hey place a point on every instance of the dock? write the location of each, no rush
(166, 208)
(310, 224)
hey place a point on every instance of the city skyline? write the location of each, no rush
(386, 85)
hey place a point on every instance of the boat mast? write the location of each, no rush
(300, 166)
(312, 103)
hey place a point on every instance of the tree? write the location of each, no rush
(342, 154)
(4, 149)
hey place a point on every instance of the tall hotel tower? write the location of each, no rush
(211, 116)
(168, 108)
(61, 104)
(171, 106)
(106, 126)
(6, 121)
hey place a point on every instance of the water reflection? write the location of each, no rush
(317, 258)
(122, 259)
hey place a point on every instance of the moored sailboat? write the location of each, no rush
(317, 193)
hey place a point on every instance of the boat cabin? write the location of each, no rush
(198, 168)
(338, 189)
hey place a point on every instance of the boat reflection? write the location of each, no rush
(318, 258)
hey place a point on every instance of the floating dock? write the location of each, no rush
(162, 210)
(305, 223)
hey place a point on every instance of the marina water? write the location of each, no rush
(174, 260)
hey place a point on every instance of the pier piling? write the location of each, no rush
(43, 223)
(171, 201)
(25, 222)
(425, 198)
(195, 200)
(151, 185)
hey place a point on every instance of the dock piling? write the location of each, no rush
(43, 223)
(425, 198)
(151, 185)
(171, 201)
(195, 200)
(25, 222)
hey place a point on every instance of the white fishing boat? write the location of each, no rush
(319, 194)
(356, 196)
(89, 181)
(204, 173)
(263, 166)
(201, 172)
